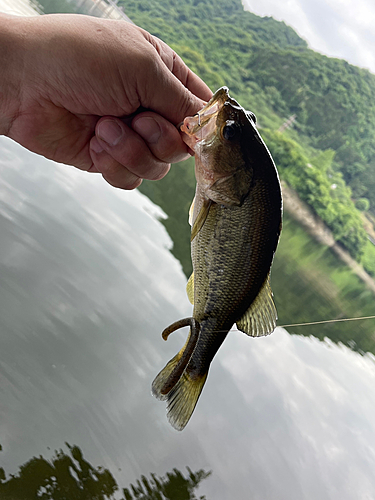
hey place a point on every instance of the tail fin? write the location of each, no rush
(163, 376)
(174, 369)
(182, 398)
(174, 384)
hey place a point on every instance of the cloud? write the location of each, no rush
(331, 27)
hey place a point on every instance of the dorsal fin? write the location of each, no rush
(260, 318)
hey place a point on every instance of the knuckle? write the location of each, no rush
(116, 174)
(158, 173)
(189, 103)
(124, 181)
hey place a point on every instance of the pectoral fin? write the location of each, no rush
(201, 219)
(260, 318)
(191, 209)
(190, 288)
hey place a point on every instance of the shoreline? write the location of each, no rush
(303, 214)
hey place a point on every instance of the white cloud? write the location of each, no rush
(338, 28)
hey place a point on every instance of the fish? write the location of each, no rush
(236, 219)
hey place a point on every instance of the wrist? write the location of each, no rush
(11, 63)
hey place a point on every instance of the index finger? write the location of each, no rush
(178, 68)
(189, 79)
(182, 93)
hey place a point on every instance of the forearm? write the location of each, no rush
(11, 69)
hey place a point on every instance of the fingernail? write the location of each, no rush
(148, 128)
(110, 132)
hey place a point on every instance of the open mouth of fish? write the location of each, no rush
(202, 126)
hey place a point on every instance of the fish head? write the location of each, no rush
(219, 134)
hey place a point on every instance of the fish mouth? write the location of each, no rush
(202, 126)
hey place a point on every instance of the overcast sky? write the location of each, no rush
(339, 28)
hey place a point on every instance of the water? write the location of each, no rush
(17, 7)
(87, 283)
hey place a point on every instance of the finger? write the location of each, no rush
(129, 149)
(112, 171)
(93, 169)
(189, 79)
(162, 91)
(170, 99)
(162, 138)
(177, 66)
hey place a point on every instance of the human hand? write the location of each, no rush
(71, 88)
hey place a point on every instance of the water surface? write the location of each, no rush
(87, 283)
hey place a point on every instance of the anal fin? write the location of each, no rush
(190, 288)
(260, 318)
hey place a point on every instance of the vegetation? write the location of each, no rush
(334, 102)
(58, 6)
(310, 284)
(181, 180)
(322, 188)
(329, 155)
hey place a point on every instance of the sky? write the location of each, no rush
(338, 28)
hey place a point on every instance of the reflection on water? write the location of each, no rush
(87, 284)
(17, 7)
(173, 486)
(71, 477)
(63, 476)
(308, 280)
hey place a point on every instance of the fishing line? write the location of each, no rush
(322, 322)
(291, 325)
(327, 321)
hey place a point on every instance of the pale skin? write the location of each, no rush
(75, 89)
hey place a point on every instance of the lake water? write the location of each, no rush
(87, 284)
(17, 7)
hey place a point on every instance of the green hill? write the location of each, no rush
(329, 154)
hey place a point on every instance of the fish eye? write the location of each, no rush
(252, 117)
(230, 130)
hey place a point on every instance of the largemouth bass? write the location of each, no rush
(236, 223)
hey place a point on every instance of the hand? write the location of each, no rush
(72, 85)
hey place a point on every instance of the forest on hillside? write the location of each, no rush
(328, 155)
(263, 59)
